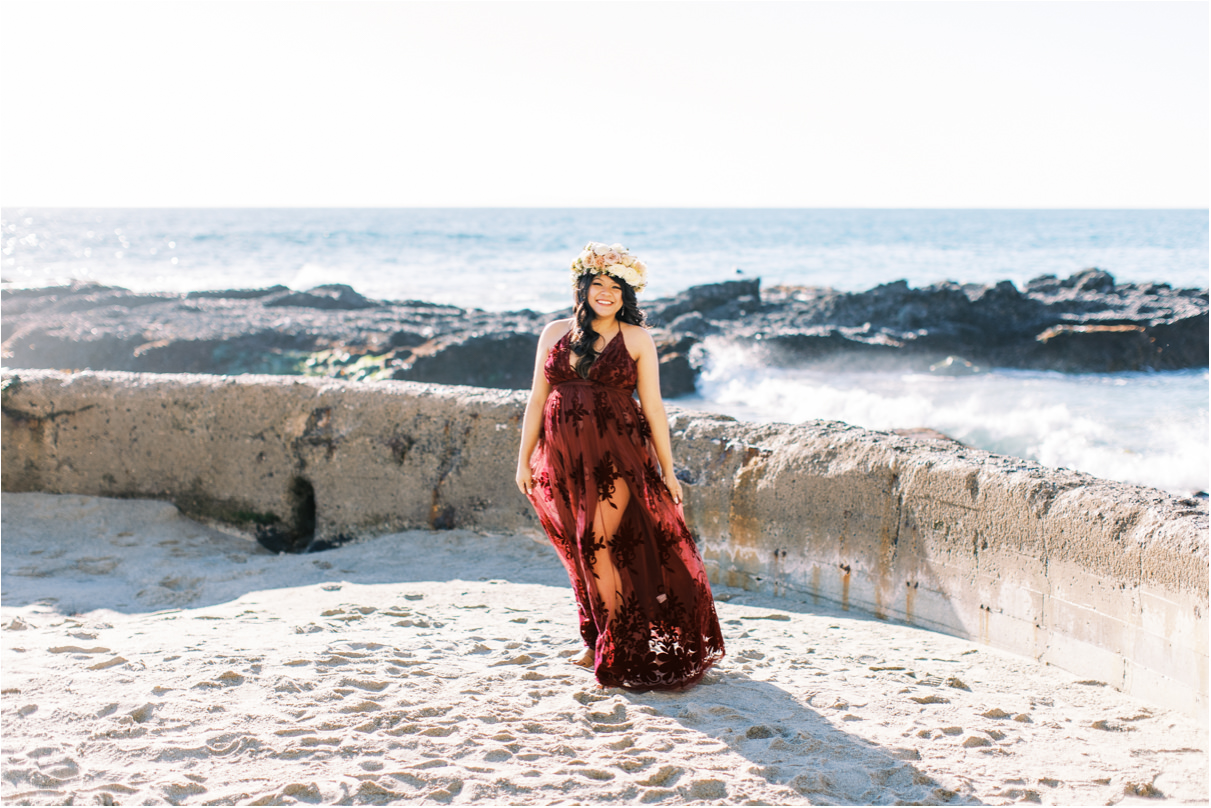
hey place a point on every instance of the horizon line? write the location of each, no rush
(605, 207)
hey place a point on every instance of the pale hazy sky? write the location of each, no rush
(784, 104)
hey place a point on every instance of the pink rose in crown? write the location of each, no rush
(611, 258)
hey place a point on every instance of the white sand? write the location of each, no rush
(149, 659)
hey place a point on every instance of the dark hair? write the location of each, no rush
(584, 338)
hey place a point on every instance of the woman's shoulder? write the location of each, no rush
(554, 331)
(559, 327)
(639, 339)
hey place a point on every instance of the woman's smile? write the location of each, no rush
(605, 296)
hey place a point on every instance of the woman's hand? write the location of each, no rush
(674, 485)
(525, 478)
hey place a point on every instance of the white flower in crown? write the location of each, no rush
(612, 259)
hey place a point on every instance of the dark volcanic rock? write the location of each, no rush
(487, 360)
(1104, 348)
(329, 296)
(990, 325)
(1181, 343)
(1083, 323)
(678, 372)
(238, 294)
(718, 301)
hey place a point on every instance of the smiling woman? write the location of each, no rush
(598, 469)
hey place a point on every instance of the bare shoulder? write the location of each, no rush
(639, 340)
(553, 331)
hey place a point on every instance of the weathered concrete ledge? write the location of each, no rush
(1106, 580)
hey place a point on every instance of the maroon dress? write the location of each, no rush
(658, 629)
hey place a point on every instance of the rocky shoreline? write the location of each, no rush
(1085, 323)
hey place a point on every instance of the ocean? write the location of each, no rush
(1145, 428)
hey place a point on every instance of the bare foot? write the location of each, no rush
(586, 660)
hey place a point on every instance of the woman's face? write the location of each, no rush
(605, 296)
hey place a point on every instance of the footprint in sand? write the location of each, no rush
(665, 777)
(522, 659)
(225, 679)
(97, 566)
(109, 663)
(625, 742)
(303, 792)
(371, 793)
(364, 684)
(144, 713)
(438, 732)
(710, 789)
(76, 649)
(49, 769)
(613, 721)
(175, 793)
(452, 790)
(656, 795)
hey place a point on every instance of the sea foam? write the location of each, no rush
(1142, 428)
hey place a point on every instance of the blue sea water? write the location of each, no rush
(1148, 428)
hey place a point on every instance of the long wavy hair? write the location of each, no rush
(584, 339)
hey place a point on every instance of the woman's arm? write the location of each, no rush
(539, 391)
(648, 387)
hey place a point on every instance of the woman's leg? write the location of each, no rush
(606, 519)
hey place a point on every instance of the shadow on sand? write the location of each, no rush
(792, 745)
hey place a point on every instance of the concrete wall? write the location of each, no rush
(1106, 580)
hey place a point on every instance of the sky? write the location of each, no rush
(604, 104)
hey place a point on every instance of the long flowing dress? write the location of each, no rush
(645, 604)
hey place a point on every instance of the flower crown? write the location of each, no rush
(612, 259)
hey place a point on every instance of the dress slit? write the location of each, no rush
(609, 516)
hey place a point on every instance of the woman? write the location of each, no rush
(598, 469)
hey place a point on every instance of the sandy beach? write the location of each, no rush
(150, 659)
